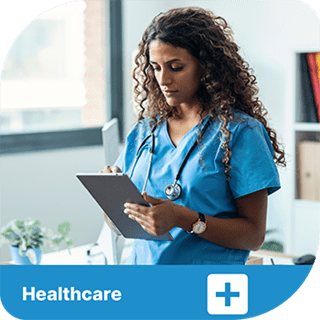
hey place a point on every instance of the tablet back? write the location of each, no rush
(111, 192)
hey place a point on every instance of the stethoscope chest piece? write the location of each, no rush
(173, 191)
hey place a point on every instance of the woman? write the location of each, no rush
(197, 95)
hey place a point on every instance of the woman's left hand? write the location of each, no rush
(158, 219)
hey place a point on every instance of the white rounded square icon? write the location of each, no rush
(227, 294)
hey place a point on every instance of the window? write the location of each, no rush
(53, 80)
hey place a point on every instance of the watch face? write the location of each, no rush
(199, 227)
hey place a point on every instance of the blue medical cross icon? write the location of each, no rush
(227, 294)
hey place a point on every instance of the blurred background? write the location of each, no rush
(69, 72)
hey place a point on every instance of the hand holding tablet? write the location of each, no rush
(111, 191)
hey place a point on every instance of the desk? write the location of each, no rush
(278, 257)
(79, 257)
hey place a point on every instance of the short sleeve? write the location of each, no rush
(120, 160)
(252, 164)
(126, 156)
(133, 140)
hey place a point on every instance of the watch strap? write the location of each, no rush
(202, 217)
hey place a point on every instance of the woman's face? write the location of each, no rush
(177, 73)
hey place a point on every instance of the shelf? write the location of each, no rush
(307, 126)
(312, 205)
(306, 222)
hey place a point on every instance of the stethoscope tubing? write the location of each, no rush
(172, 191)
(151, 150)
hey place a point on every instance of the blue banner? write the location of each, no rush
(147, 292)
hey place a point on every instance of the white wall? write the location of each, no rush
(43, 185)
(269, 34)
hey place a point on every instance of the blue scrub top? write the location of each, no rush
(203, 181)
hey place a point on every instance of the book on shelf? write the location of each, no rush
(309, 170)
(308, 104)
(313, 60)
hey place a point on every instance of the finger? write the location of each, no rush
(107, 169)
(134, 212)
(153, 201)
(141, 218)
(115, 169)
(144, 224)
(133, 207)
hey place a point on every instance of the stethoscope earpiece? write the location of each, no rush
(173, 191)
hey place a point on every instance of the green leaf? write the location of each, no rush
(28, 233)
(20, 232)
(32, 256)
(56, 241)
(271, 231)
(28, 241)
(49, 233)
(13, 225)
(12, 237)
(22, 254)
(6, 230)
(64, 228)
(69, 242)
(23, 245)
(272, 246)
(35, 229)
(19, 224)
(30, 222)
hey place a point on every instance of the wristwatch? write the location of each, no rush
(200, 225)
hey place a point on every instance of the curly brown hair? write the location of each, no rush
(226, 84)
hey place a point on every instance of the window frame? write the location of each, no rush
(81, 137)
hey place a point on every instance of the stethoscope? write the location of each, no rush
(172, 191)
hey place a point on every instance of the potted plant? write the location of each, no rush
(272, 245)
(28, 239)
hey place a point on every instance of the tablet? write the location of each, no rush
(111, 191)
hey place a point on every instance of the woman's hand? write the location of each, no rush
(111, 225)
(108, 169)
(158, 219)
(246, 231)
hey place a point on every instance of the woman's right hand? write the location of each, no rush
(108, 169)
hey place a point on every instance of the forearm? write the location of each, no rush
(234, 233)
(244, 232)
